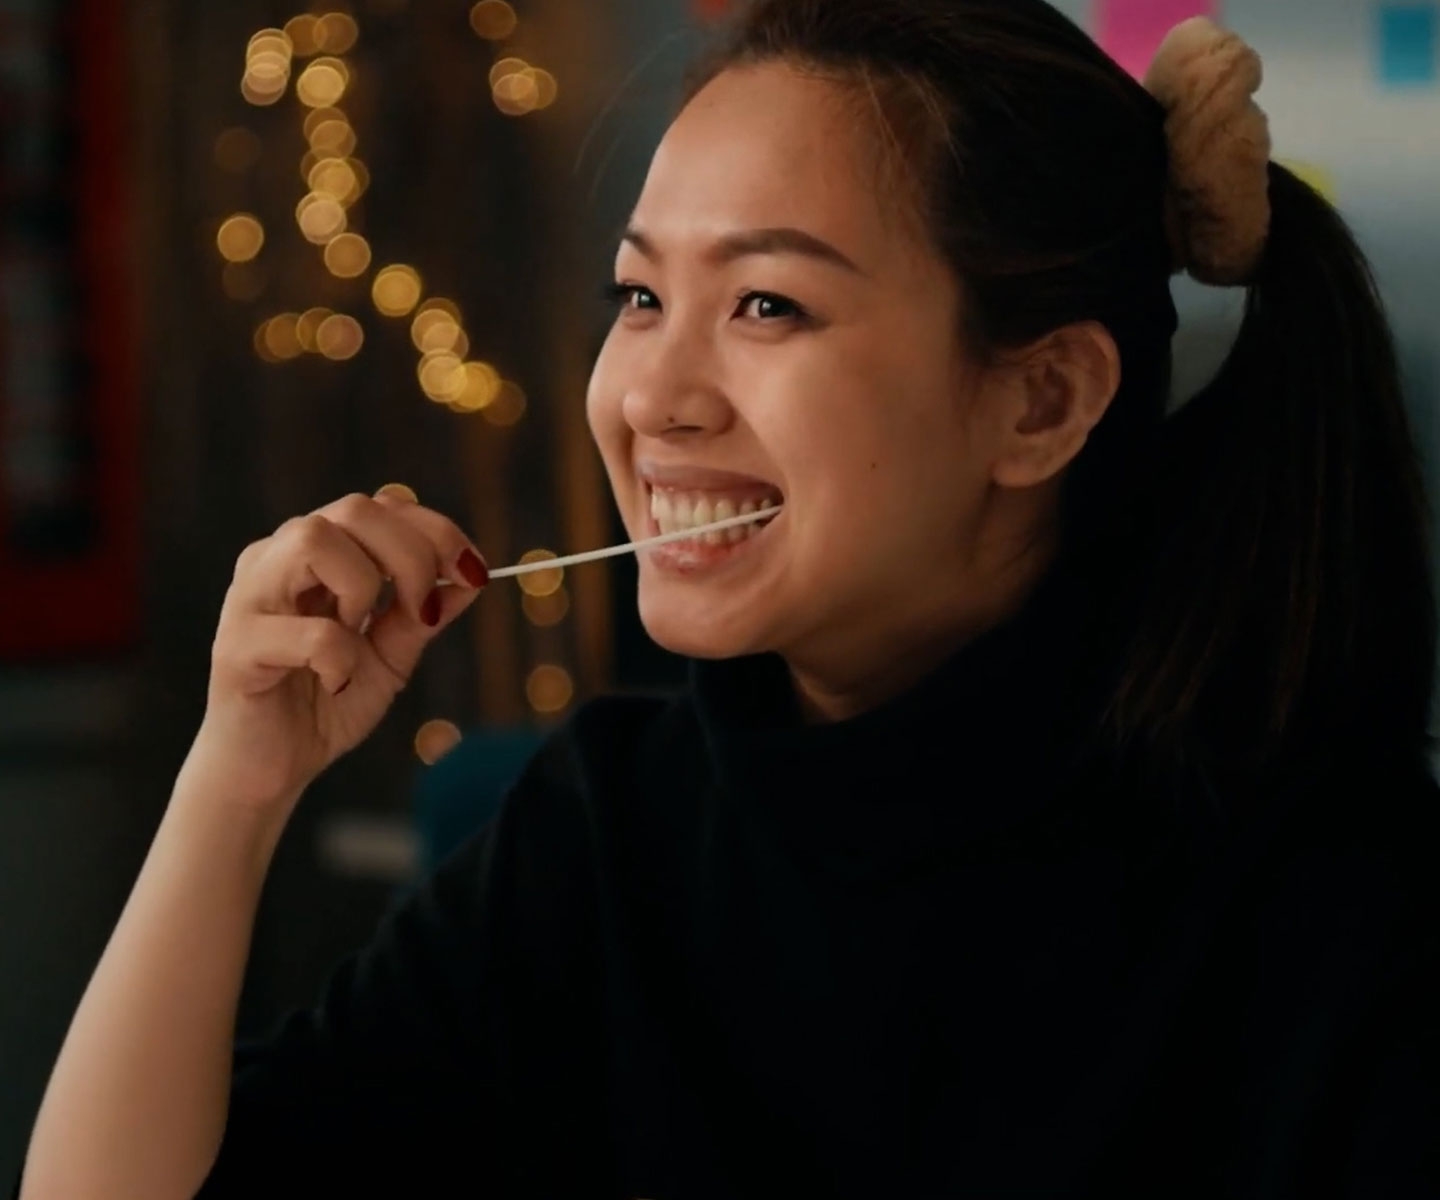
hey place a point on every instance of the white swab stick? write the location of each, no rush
(680, 535)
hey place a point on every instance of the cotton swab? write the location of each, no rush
(679, 535)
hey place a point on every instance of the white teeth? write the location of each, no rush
(724, 509)
(674, 511)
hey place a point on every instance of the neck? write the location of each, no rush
(842, 681)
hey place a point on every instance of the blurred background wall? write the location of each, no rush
(244, 272)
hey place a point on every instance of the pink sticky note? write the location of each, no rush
(1132, 30)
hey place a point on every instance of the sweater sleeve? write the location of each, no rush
(461, 1038)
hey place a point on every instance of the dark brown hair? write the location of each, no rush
(1275, 527)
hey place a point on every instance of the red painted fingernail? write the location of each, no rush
(473, 567)
(430, 610)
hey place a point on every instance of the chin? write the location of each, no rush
(690, 627)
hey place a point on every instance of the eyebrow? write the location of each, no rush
(780, 240)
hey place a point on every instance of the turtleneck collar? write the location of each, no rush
(983, 746)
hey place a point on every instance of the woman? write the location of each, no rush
(1048, 814)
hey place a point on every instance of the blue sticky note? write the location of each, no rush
(1408, 48)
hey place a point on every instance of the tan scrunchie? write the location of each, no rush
(1218, 215)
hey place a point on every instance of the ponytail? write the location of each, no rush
(1289, 597)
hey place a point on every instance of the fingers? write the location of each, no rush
(272, 575)
(271, 645)
(401, 551)
(460, 562)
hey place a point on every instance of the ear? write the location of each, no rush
(1053, 393)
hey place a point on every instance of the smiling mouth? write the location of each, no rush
(673, 510)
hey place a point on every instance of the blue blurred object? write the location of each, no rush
(1408, 48)
(463, 791)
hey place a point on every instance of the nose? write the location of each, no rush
(673, 392)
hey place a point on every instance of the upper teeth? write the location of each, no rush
(674, 511)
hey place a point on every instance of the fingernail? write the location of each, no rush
(400, 491)
(472, 566)
(343, 686)
(430, 610)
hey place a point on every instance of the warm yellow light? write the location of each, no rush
(269, 41)
(239, 238)
(280, 338)
(333, 177)
(336, 32)
(362, 181)
(507, 66)
(396, 290)
(320, 217)
(301, 32)
(347, 256)
(339, 337)
(434, 740)
(434, 328)
(306, 324)
(237, 149)
(516, 94)
(333, 139)
(441, 304)
(317, 116)
(546, 88)
(262, 343)
(322, 83)
(482, 383)
(267, 66)
(508, 405)
(493, 19)
(549, 688)
(242, 281)
(540, 583)
(545, 610)
(442, 377)
(261, 96)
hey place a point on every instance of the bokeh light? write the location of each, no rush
(301, 32)
(267, 67)
(333, 138)
(548, 610)
(347, 256)
(540, 583)
(507, 407)
(493, 19)
(243, 281)
(280, 339)
(437, 327)
(334, 177)
(507, 66)
(239, 238)
(434, 740)
(482, 384)
(396, 289)
(335, 32)
(237, 149)
(322, 83)
(339, 337)
(307, 325)
(442, 377)
(517, 94)
(320, 217)
(549, 688)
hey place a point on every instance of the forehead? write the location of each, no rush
(768, 145)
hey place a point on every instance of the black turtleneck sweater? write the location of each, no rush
(944, 949)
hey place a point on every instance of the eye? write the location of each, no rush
(767, 306)
(631, 295)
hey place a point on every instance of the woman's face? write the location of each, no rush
(783, 337)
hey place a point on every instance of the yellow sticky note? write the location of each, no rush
(1316, 176)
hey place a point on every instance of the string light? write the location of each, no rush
(396, 290)
(239, 238)
(267, 67)
(442, 377)
(301, 32)
(548, 610)
(482, 384)
(507, 407)
(280, 339)
(320, 217)
(347, 256)
(339, 337)
(434, 740)
(493, 20)
(323, 82)
(540, 583)
(306, 326)
(336, 32)
(549, 688)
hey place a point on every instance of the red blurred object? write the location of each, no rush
(69, 468)
(711, 10)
